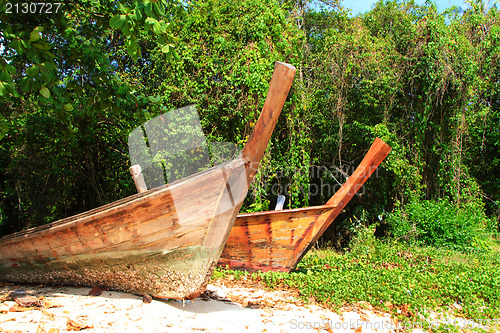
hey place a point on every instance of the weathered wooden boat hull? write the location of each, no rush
(164, 242)
(277, 240)
(267, 240)
(137, 245)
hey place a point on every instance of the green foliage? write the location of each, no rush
(442, 224)
(409, 281)
(407, 178)
(70, 55)
(148, 15)
(67, 101)
(53, 176)
(226, 60)
(221, 272)
(425, 82)
(364, 243)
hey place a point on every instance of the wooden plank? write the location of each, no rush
(256, 237)
(376, 154)
(163, 242)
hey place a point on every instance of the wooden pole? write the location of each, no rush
(138, 178)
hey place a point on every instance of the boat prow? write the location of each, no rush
(164, 242)
(277, 240)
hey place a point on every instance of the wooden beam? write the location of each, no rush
(138, 177)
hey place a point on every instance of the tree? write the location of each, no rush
(58, 51)
(68, 101)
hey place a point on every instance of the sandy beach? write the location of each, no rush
(223, 308)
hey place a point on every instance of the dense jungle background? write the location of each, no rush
(73, 84)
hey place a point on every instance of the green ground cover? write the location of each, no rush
(409, 281)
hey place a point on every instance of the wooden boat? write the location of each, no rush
(139, 244)
(277, 240)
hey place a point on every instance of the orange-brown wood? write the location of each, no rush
(164, 242)
(137, 245)
(277, 240)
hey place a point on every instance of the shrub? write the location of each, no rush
(442, 224)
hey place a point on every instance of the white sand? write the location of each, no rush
(69, 309)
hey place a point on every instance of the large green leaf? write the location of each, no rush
(3, 89)
(34, 36)
(157, 28)
(159, 8)
(68, 107)
(33, 70)
(117, 21)
(45, 92)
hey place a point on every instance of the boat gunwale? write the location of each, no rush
(287, 211)
(74, 219)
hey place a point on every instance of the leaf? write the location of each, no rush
(25, 84)
(45, 92)
(149, 23)
(164, 26)
(159, 9)
(117, 21)
(11, 90)
(157, 28)
(154, 100)
(74, 325)
(151, 20)
(124, 9)
(126, 29)
(10, 69)
(16, 45)
(42, 47)
(24, 44)
(33, 71)
(34, 36)
(3, 89)
(166, 48)
(138, 14)
(123, 89)
(68, 107)
(69, 31)
(133, 50)
(49, 65)
(176, 55)
(136, 54)
(96, 291)
(149, 10)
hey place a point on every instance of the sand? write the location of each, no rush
(222, 308)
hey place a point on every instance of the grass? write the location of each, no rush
(408, 281)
